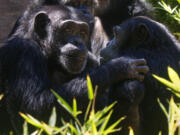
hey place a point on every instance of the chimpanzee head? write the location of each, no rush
(63, 35)
(138, 32)
(96, 7)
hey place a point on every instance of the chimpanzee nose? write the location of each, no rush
(117, 30)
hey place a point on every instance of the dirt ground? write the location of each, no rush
(9, 12)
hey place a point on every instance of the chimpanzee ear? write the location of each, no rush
(142, 32)
(40, 24)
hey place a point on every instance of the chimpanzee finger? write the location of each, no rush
(139, 62)
(142, 69)
(140, 77)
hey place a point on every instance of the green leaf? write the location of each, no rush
(53, 118)
(111, 128)
(163, 108)
(73, 129)
(94, 128)
(90, 88)
(174, 77)
(74, 107)
(160, 133)
(131, 132)
(25, 128)
(31, 120)
(75, 111)
(178, 1)
(1, 96)
(63, 103)
(171, 118)
(105, 123)
(165, 82)
(87, 110)
(47, 129)
(101, 113)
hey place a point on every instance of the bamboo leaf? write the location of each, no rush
(163, 108)
(90, 88)
(105, 123)
(53, 117)
(74, 107)
(111, 128)
(63, 103)
(131, 132)
(165, 82)
(31, 120)
(25, 128)
(174, 77)
(47, 129)
(1, 96)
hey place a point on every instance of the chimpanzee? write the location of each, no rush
(141, 37)
(48, 50)
(108, 14)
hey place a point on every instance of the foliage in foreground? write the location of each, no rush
(168, 12)
(173, 112)
(95, 123)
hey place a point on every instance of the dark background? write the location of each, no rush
(9, 12)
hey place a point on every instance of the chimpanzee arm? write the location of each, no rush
(104, 76)
(24, 67)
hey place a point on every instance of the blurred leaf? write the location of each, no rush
(63, 103)
(73, 129)
(110, 129)
(10, 133)
(101, 113)
(90, 88)
(25, 128)
(87, 110)
(178, 1)
(36, 132)
(103, 126)
(163, 108)
(165, 82)
(1, 96)
(165, 7)
(94, 128)
(53, 117)
(160, 133)
(174, 77)
(75, 112)
(47, 129)
(131, 132)
(31, 120)
(171, 118)
(74, 107)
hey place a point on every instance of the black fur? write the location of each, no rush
(141, 37)
(36, 58)
(116, 11)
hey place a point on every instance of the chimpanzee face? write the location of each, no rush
(71, 40)
(66, 36)
(130, 34)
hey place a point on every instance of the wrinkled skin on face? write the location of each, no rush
(68, 38)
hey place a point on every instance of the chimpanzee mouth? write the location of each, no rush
(73, 63)
(77, 57)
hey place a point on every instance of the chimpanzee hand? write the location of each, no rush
(131, 91)
(127, 68)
